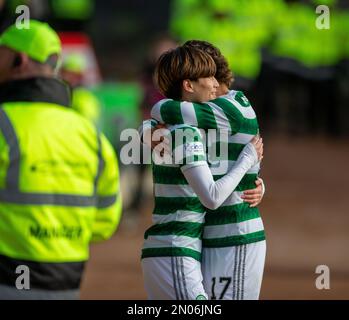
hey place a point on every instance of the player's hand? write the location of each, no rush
(257, 142)
(254, 196)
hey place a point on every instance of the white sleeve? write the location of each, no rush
(212, 194)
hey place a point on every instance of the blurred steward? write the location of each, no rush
(59, 177)
(83, 100)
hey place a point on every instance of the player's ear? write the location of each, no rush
(188, 86)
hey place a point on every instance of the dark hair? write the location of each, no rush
(179, 64)
(223, 73)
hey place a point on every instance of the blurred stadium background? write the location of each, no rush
(295, 75)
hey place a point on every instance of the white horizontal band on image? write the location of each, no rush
(233, 229)
(173, 241)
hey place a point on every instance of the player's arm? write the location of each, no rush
(218, 113)
(172, 112)
(254, 196)
(109, 203)
(213, 193)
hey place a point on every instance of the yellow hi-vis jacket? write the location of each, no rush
(59, 185)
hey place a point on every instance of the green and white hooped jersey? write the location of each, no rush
(234, 223)
(178, 215)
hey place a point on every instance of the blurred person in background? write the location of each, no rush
(2, 15)
(160, 44)
(71, 15)
(59, 178)
(239, 28)
(290, 70)
(83, 100)
(298, 86)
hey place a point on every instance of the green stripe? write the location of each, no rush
(181, 137)
(241, 98)
(171, 252)
(246, 183)
(167, 205)
(231, 214)
(236, 119)
(178, 228)
(234, 150)
(171, 112)
(205, 116)
(234, 240)
(168, 175)
(249, 126)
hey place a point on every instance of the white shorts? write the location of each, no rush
(173, 278)
(234, 273)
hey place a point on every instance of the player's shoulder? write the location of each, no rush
(162, 102)
(237, 96)
(161, 106)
